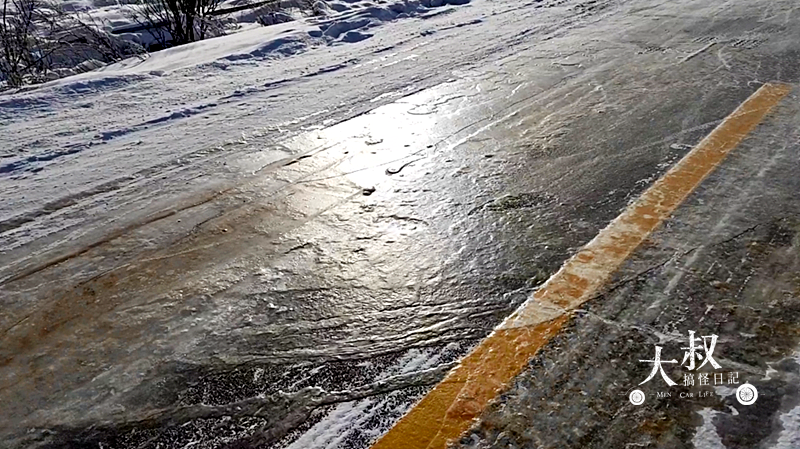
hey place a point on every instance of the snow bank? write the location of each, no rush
(254, 42)
(348, 22)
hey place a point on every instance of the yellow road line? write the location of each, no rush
(450, 408)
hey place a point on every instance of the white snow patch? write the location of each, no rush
(790, 435)
(351, 417)
(706, 436)
(723, 391)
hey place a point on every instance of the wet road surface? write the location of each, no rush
(314, 302)
(735, 277)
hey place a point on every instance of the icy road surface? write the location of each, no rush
(275, 239)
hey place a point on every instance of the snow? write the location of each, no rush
(105, 148)
(348, 25)
(273, 41)
(349, 420)
(80, 148)
(706, 436)
(87, 156)
(90, 156)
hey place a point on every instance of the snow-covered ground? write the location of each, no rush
(84, 157)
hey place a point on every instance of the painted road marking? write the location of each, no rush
(450, 408)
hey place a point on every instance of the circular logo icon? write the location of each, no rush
(746, 394)
(636, 397)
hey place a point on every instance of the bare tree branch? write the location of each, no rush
(37, 36)
(175, 22)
